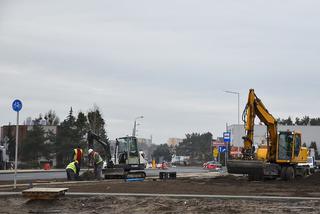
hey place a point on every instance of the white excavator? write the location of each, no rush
(124, 162)
(4, 159)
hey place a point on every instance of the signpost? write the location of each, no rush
(16, 106)
(222, 149)
(227, 140)
(226, 137)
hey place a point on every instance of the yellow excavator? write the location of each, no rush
(283, 155)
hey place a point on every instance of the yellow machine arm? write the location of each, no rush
(255, 108)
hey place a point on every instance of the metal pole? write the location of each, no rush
(16, 155)
(135, 125)
(134, 128)
(226, 154)
(238, 108)
(225, 157)
(237, 93)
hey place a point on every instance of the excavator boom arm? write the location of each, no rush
(254, 108)
(92, 137)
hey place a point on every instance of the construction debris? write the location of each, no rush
(37, 193)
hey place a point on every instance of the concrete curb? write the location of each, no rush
(35, 171)
(227, 197)
(66, 182)
(30, 171)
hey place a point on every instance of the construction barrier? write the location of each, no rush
(167, 175)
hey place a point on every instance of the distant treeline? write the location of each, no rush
(71, 132)
(305, 121)
(197, 146)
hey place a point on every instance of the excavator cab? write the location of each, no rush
(126, 152)
(289, 148)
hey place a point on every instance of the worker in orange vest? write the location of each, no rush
(78, 155)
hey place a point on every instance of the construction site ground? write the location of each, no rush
(208, 184)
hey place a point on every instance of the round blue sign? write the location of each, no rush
(17, 105)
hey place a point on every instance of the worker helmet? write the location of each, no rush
(89, 151)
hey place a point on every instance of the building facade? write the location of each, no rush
(309, 134)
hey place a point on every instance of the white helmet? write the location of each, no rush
(89, 151)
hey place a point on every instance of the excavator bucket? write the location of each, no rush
(253, 168)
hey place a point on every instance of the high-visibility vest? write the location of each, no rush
(97, 158)
(72, 166)
(78, 154)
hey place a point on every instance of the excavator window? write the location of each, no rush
(285, 146)
(127, 147)
(133, 148)
(297, 145)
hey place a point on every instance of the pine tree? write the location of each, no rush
(67, 139)
(97, 125)
(82, 128)
(33, 146)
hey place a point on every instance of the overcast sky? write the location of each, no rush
(167, 60)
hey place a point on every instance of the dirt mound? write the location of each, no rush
(229, 177)
(122, 204)
(87, 175)
(313, 179)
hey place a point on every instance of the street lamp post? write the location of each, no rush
(135, 125)
(237, 93)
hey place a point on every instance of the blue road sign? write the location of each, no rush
(222, 149)
(17, 105)
(226, 137)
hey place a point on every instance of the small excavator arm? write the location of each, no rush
(91, 137)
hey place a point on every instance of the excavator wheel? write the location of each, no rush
(290, 174)
(283, 173)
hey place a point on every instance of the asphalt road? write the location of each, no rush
(58, 174)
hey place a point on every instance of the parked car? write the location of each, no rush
(212, 165)
(163, 165)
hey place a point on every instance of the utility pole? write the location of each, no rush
(238, 94)
(135, 125)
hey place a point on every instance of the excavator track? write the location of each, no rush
(136, 174)
(120, 173)
(114, 173)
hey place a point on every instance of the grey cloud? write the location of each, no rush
(168, 60)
